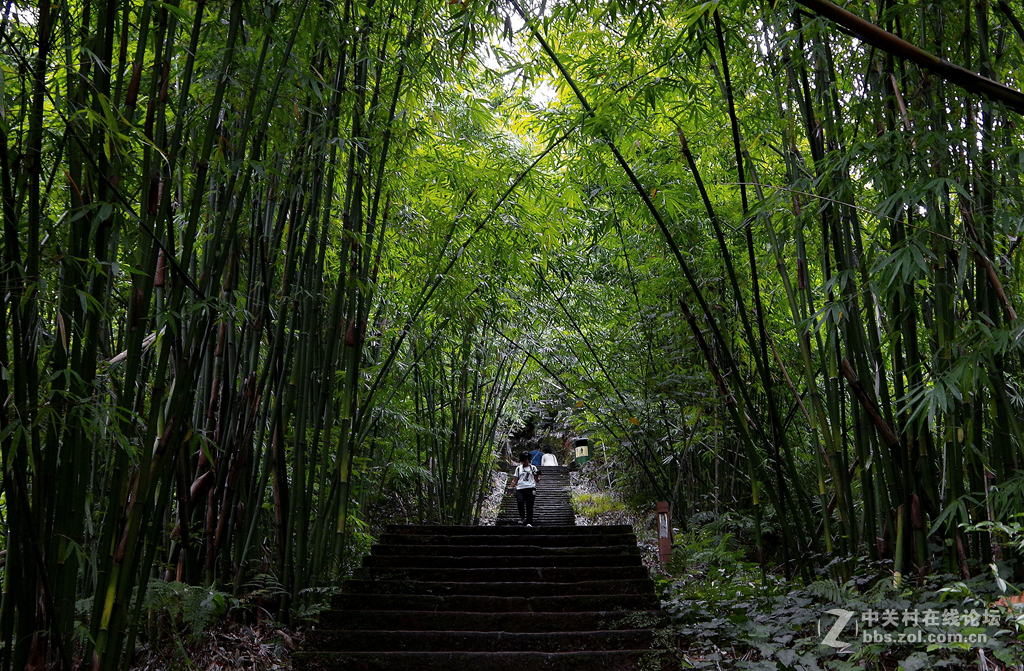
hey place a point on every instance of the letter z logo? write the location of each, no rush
(831, 639)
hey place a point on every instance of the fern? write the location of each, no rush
(190, 607)
(705, 548)
(316, 600)
(264, 586)
(882, 589)
(832, 591)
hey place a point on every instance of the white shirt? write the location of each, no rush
(526, 476)
(549, 460)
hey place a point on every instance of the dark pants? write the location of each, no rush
(524, 498)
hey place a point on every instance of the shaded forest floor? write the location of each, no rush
(724, 613)
(266, 646)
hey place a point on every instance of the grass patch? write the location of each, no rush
(593, 505)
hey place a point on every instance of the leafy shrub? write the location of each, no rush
(182, 607)
(725, 611)
(700, 548)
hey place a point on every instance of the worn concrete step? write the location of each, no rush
(548, 518)
(547, 486)
(545, 519)
(472, 530)
(552, 494)
(617, 660)
(479, 641)
(527, 538)
(490, 622)
(415, 561)
(548, 482)
(546, 508)
(520, 588)
(554, 574)
(501, 550)
(495, 604)
(547, 489)
(539, 505)
(537, 522)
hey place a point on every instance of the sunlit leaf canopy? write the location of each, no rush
(277, 274)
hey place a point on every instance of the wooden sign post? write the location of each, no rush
(664, 532)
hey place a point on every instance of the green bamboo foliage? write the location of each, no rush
(864, 191)
(197, 204)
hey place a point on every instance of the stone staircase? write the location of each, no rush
(478, 598)
(551, 507)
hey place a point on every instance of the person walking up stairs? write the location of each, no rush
(551, 506)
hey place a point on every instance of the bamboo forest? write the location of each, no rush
(284, 281)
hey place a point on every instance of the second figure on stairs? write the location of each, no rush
(525, 482)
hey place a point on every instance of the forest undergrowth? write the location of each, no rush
(727, 613)
(226, 646)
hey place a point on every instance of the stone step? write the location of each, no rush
(547, 490)
(470, 530)
(520, 588)
(495, 604)
(479, 641)
(534, 538)
(508, 522)
(554, 574)
(511, 561)
(501, 550)
(538, 504)
(552, 597)
(549, 518)
(405, 620)
(617, 660)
